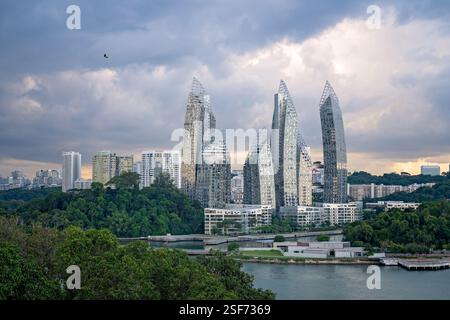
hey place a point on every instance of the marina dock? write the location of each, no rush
(429, 264)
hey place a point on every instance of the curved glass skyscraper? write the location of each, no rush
(334, 148)
(284, 148)
(198, 124)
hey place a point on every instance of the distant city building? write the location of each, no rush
(16, 180)
(137, 167)
(104, 166)
(47, 178)
(430, 170)
(71, 170)
(334, 148)
(124, 163)
(259, 182)
(359, 192)
(82, 184)
(388, 205)
(155, 163)
(236, 219)
(198, 125)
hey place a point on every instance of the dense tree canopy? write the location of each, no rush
(405, 231)
(33, 266)
(124, 209)
(361, 177)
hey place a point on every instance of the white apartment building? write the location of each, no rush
(304, 216)
(71, 169)
(358, 192)
(342, 213)
(236, 219)
(388, 205)
(332, 213)
(157, 162)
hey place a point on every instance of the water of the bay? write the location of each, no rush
(348, 282)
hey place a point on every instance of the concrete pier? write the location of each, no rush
(429, 264)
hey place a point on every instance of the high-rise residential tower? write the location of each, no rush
(124, 163)
(71, 170)
(284, 148)
(104, 166)
(198, 123)
(334, 148)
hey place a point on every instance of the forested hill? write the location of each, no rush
(126, 210)
(405, 231)
(27, 195)
(362, 177)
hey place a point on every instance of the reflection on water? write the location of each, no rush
(348, 282)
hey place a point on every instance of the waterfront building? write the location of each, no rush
(334, 147)
(342, 213)
(430, 170)
(71, 169)
(198, 125)
(155, 163)
(304, 216)
(323, 214)
(320, 249)
(236, 219)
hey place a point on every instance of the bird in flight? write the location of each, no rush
(105, 56)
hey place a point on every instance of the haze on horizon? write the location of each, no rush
(59, 93)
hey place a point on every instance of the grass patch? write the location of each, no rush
(262, 253)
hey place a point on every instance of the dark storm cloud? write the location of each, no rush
(57, 92)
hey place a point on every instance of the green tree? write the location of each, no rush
(279, 238)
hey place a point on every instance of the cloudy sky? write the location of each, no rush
(58, 93)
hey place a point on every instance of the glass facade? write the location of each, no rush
(284, 147)
(334, 148)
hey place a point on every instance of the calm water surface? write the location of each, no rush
(348, 282)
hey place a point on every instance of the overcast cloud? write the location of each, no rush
(58, 93)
